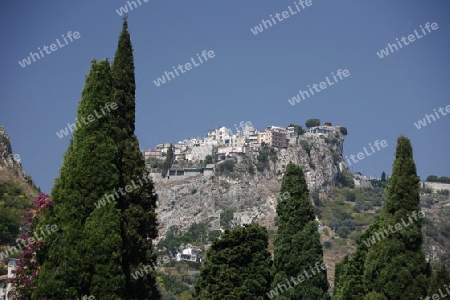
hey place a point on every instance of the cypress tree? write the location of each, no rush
(85, 257)
(389, 262)
(237, 266)
(137, 205)
(298, 253)
(395, 265)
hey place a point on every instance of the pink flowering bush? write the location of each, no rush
(27, 268)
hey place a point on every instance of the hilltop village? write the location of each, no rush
(221, 143)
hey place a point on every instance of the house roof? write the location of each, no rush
(3, 277)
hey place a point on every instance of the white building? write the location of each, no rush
(189, 253)
(5, 287)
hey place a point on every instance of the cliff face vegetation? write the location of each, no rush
(16, 192)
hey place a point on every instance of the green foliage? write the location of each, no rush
(251, 169)
(238, 266)
(3, 269)
(102, 157)
(89, 171)
(343, 130)
(327, 244)
(350, 196)
(443, 192)
(172, 285)
(197, 232)
(444, 179)
(306, 146)
(227, 220)
(137, 208)
(226, 167)
(13, 203)
(297, 242)
(312, 123)
(167, 162)
(327, 124)
(345, 179)
(383, 176)
(208, 160)
(298, 129)
(213, 234)
(155, 163)
(427, 190)
(265, 155)
(439, 280)
(316, 200)
(432, 178)
(342, 223)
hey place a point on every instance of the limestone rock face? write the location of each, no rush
(9, 163)
(252, 197)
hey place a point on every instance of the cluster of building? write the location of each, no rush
(238, 144)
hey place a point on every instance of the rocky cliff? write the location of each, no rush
(251, 196)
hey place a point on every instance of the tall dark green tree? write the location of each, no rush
(237, 266)
(138, 216)
(168, 162)
(85, 257)
(396, 265)
(390, 264)
(297, 247)
(383, 176)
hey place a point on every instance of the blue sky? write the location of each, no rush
(250, 78)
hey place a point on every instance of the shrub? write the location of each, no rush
(316, 200)
(226, 167)
(343, 231)
(427, 190)
(327, 244)
(306, 146)
(443, 192)
(350, 196)
(251, 169)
